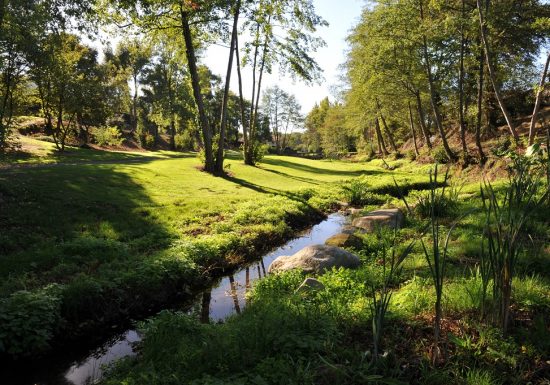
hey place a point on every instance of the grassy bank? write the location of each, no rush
(91, 238)
(325, 336)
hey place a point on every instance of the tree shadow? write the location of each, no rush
(298, 178)
(81, 217)
(318, 170)
(267, 190)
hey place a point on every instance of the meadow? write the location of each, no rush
(90, 238)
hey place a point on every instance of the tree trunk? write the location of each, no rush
(461, 89)
(7, 94)
(381, 144)
(242, 107)
(223, 123)
(262, 67)
(422, 119)
(540, 89)
(172, 125)
(482, 156)
(205, 307)
(389, 133)
(386, 129)
(192, 64)
(276, 128)
(413, 131)
(492, 74)
(134, 103)
(249, 156)
(437, 117)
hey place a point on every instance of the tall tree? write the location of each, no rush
(134, 55)
(538, 98)
(223, 119)
(492, 73)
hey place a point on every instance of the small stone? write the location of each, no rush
(310, 284)
(349, 230)
(344, 240)
(354, 211)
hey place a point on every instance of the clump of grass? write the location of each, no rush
(356, 192)
(504, 230)
(479, 377)
(380, 297)
(443, 203)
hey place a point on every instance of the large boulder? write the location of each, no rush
(315, 259)
(344, 240)
(392, 218)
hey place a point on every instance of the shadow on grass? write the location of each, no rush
(298, 178)
(267, 190)
(79, 217)
(78, 156)
(317, 170)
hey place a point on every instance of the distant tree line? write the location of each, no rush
(152, 82)
(421, 71)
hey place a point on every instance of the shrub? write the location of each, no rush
(147, 140)
(259, 151)
(440, 156)
(184, 141)
(28, 321)
(108, 136)
(439, 203)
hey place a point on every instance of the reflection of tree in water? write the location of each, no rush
(263, 267)
(247, 284)
(234, 294)
(205, 306)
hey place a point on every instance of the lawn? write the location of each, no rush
(89, 237)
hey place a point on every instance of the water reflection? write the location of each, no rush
(205, 306)
(234, 294)
(91, 369)
(230, 294)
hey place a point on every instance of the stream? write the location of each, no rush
(226, 297)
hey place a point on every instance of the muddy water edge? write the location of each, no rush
(82, 364)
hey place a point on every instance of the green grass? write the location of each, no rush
(126, 229)
(324, 337)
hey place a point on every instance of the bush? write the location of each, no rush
(28, 321)
(108, 136)
(259, 151)
(184, 141)
(147, 140)
(411, 155)
(440, 156)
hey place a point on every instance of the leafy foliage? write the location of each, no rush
(28, 321)
(108, 136)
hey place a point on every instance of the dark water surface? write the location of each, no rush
(225, 298)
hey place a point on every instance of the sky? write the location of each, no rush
(341, 15)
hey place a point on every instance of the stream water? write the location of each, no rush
(225, 298)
